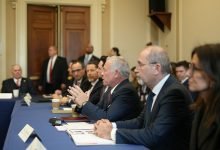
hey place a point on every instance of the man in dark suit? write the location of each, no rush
(54, 72)
(182, 74)
(96, 84)
(18, 82)
(122, 102)
(165, 123)
(88, 56)
(79, 78)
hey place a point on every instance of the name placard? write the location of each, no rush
(25, 133)
(36, 145)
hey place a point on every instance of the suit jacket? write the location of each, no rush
(124, 105)
(169, 124)
(26, 86)
(203, 138)
(59, 73)
(94, 96)
(93, 58)
(84, 85)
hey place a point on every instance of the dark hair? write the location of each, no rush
(93, 62)
(116, 50)
(77, 61)
(103, 59)
(209, 62)
(183, 63)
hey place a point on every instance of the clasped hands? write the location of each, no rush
(77, 95)
(103, 128)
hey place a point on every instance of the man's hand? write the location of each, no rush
(77, 95)
(103, 128)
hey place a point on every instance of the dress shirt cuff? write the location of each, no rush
(114, 125)
(113, 134)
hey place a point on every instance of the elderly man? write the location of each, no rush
(121, 102)
(17, 82)
(165, 123)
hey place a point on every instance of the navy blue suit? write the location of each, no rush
(26, 86)
(169, 124)
(124, 105)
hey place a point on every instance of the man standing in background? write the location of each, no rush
(54, 72)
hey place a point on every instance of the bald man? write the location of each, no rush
(18, 82)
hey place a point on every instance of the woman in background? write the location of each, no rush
(114, 52)
(205, 79)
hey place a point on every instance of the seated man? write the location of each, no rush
(18, 82)
(96, 83)
(79, 78)
(121, 102)
(165, 123)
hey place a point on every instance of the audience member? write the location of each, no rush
(205, 79)
(133, 78)
(165, 123)
(182, 74)
(94, 92)
(53, 73)
(114, 51)
(88, 56)
(79, 78)
(18, 82)
(121, 102)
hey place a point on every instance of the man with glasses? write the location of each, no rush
(165, 122)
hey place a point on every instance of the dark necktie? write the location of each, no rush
(148, 108)
(105, 98)
(150, 101)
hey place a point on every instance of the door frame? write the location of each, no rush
(21, 25)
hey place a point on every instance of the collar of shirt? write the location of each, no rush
(19, 80)
(93, 83)
(158, 87)
(54, 59)
(88, 56)
(184, 80)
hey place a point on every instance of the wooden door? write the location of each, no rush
(41, 23)
(75, 29)
(43, 31)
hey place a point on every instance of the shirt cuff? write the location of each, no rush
(114, 125)
(113, 134)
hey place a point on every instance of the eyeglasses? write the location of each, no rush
(140, 64)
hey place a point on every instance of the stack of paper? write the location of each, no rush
(82, 134)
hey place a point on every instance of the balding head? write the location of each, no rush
(153, 65)
(16, 71)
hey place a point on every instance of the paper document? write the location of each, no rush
(82, 134)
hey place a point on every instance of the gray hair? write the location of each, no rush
(120, 64)
(160, 56)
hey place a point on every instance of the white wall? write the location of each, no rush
(201, 24)
(129, 27)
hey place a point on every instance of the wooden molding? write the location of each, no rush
(161, 19)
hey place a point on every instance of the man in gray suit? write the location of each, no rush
(165, 123)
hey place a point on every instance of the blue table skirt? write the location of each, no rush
(37, 116)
